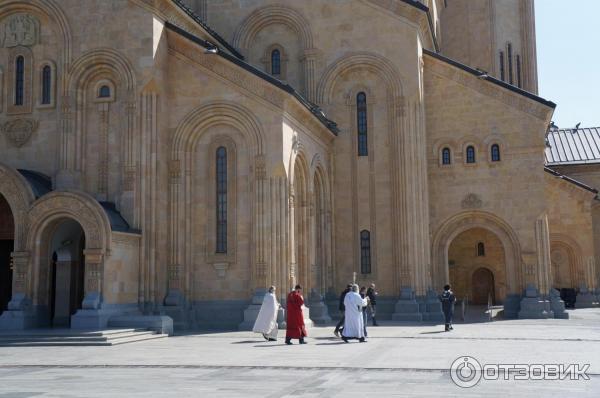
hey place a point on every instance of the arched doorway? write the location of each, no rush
(62, 270)
(7, 236)
(477, 266)
(482, 286)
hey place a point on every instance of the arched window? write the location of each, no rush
(19, 79)
(519, 81)
(446, 156)
(470, 154)
(365, 252)
(510, 62)
(104, 92)
(495, 152)
(502, 73)
(46, 84)
(361, 123)
(221, 200)
(480, 249)
(276, 62)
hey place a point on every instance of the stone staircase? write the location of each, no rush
(70, 337)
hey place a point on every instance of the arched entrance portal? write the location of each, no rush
(62, 271)
(477, 266)
(7, 236)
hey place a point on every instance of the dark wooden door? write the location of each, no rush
(6, 247)
(482, 286)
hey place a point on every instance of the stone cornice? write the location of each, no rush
(167, 11)
(514, 100)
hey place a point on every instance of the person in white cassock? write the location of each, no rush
(266, 322)
(354, 324)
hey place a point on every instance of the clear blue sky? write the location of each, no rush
(568, 54)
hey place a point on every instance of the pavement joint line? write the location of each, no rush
(423, 338)
(237, 367)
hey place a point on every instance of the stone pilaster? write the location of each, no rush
(309, 62)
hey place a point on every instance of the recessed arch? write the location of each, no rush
(49, 9)
(464, 221)
(375, 63)
(269, 15)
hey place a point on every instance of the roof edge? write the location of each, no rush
(569, 179)
(312, 108)
(485, 76)
(207, 28)
(426, 9)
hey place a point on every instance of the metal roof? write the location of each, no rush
(573, 146)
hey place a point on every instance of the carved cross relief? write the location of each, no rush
(20, 30)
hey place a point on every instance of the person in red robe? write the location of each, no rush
(295, 318)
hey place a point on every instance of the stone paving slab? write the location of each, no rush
(411, 360)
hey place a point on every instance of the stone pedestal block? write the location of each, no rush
(585, 298)
(407, 308)
(433, 307)
(251, 313)
(19, 315)
(557, 305)
(319, 312)
(533, 306)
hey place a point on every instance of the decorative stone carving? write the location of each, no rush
(19, 131)
(471, 201)
(20, 30)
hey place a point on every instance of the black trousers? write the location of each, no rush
(340, 324)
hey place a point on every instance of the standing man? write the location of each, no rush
(266, 322)
(295, 318)
(372, 294)
(447, 298)
(363, 295)
(353, 323)
(342, 309)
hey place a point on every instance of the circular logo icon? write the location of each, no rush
(465, 372)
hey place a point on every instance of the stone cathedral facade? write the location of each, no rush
(177, 158)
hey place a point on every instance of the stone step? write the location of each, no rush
(101, 338)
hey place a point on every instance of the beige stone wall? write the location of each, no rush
(461, 113)
(121, 270)
(571, 233)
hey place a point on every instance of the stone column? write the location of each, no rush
(536, 304)
(19, 314)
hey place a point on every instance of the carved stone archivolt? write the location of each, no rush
(78, 206)
(19, 196)
(19, 131)
(20, 30)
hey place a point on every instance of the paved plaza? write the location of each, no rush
(397, 361)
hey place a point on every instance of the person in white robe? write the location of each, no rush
(266, 322)
(354, 323)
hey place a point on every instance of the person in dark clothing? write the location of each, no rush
(363, 294)
(372, 294)
(342, 309)
(447, 298)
